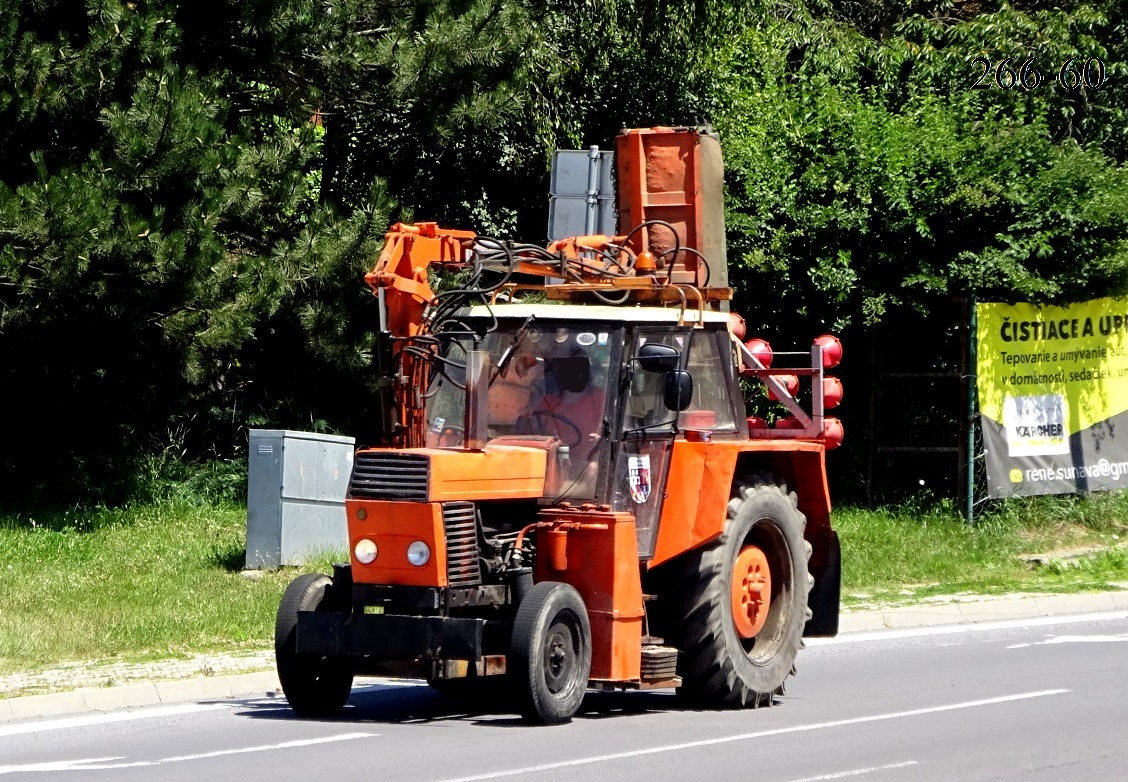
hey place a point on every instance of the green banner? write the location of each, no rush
(1053, 396)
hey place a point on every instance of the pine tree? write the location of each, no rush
(160, 225)
(190, 194)
(434, 98)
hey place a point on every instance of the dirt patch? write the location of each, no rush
(1070, 553)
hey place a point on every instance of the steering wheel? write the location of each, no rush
(579, 433)
(449, 435)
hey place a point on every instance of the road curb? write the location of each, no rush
(990, 610)
(137, 695)
(265, 683)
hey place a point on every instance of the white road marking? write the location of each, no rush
(100, 764)
(1074, 639)
(52, 765)
(1002, 624)
(114, 716)
(760, 734)
(857, 772)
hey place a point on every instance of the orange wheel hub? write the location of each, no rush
(751, 591)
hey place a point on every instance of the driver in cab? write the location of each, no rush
(571, 409)
(563, 399)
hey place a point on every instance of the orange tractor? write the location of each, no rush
(570, 495)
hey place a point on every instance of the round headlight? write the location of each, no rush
(365, 551)
(418, 553)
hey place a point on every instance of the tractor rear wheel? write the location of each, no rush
(550, 653)
(743, 600)
(315, 685)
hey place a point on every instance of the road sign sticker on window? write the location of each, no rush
(638, 472)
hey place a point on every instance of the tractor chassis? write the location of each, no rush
(404, 630)
(390, 636)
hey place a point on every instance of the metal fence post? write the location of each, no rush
(973, 326)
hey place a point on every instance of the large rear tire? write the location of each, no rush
(550, 653)
(315, 685)
(743, 600)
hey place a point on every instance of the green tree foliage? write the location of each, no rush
(457, 106)
(633, 63)
(190, 193)
(166, 272)
(430, 98)
(865, 173)
(872, 189)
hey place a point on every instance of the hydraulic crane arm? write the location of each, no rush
(400, 275)
(409, 306)
(399, 278)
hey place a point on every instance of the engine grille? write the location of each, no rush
(387, 475)
(461, 525)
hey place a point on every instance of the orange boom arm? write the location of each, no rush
(401, 270)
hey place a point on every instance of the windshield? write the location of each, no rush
(546, 379)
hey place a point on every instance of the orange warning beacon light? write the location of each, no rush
(832, 392)
(790, 384)
(832, 433)
(832, 350)
(761, 350)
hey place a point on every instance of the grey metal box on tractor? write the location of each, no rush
(296, 485)
(582, 198)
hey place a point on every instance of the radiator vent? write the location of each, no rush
(387, 475)
(461, 525)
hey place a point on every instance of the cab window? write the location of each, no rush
(711, 407)
(646, 409)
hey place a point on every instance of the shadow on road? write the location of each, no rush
(417, 703)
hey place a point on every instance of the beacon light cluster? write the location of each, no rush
(831, 386)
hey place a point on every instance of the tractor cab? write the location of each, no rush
(604, 390)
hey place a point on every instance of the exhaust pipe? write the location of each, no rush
(477, 400)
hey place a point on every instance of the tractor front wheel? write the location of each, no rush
(743, 600)
(315, 685)
(550, 653)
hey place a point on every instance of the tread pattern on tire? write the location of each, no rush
(709, 672)
(314, 687)
(536, 705)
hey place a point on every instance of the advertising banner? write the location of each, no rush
(1053, 397)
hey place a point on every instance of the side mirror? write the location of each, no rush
(679, 390)
(658, 358)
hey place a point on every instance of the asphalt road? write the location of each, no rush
(1047, 700)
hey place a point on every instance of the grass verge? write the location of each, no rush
(148, 581)
(917, 551)
(164, 578)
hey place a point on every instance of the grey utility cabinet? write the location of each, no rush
(296, 485)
